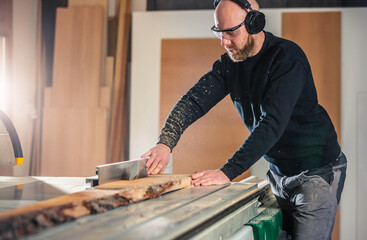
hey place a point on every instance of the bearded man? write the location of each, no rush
(270, 83)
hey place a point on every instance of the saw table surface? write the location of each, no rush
(21, 191)
(193, 212)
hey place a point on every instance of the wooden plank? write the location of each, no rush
(105, 97)
(139, 183)
(83, 3)
(106, 90)
(221, 129)
(78, 57)
(109, 73)
(74, 141)
(36, 217)
(47, 92)
(117, 144)
(320, 39)
(104, 4)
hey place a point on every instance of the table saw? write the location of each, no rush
(213, 212)
(123, 202)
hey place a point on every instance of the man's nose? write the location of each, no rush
(225, 42)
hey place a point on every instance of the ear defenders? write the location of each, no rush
(254, 21)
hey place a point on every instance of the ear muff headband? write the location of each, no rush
(254, 21)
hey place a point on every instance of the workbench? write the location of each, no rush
(213, 212)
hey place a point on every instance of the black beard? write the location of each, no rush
(243, 53)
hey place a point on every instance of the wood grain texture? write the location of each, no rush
(47, 96)
(117, 144)
(104, 5)
(109, 71)
(75, 119)
(158, 179)
(36, 217)
(74, 141)
(105, 97)
(209, 142)
(319, 35)
(78, 57)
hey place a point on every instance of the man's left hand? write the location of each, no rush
(210, 177)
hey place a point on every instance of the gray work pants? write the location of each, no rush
(309, 200)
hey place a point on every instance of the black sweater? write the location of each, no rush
(275, 95)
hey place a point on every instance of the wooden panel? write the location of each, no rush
(109, 73)
(78, 57)
(106, 89)
(208, 143)
(16, 223)
(104, 5)
(318, 34)
(117, 143)
(105, 97)
(47, 92)
(83, 3)
(73, 141)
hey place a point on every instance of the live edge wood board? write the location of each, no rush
(39, 216)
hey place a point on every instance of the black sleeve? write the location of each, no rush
(283, 91)
(206, 93)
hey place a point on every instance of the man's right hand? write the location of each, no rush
(159, 157)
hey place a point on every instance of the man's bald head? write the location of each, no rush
(253, 3)
(234, 9)
(228, 14)
(239, 10)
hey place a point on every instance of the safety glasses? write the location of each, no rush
(228, 33)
